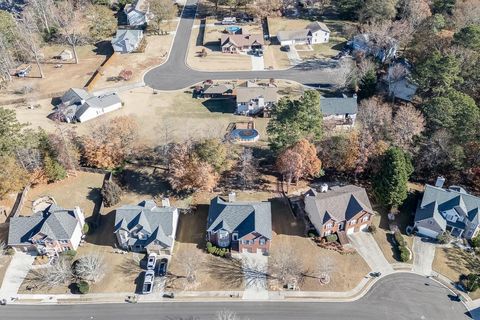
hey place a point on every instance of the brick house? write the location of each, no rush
(240, 226)
(236, 43)
(340, 209)
(49, 232)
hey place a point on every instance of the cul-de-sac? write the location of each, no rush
(240, 159)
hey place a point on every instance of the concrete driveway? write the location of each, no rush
(15, 274)
(368, 248)
(257, 63)
(423, 255)
(255, 267)
(293, 56)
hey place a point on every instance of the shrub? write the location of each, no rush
(471, 282)
(312, 233)
(444, 238)
(86, 228)
(53, 170)
(372, 229)
(476, 241)
(69, 254)
(111, 193)
(83, 287)
(404, 253)
(331, 238)
(399, 239)
(10, 251)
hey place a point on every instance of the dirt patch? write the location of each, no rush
(454, 262)
(82, 191)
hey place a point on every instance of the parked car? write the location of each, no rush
(169, 295)
(375, 274)
(162, 267)
(152, 259)
(148, 282)
(285, 48)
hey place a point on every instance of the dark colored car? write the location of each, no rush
(285, 48)
(162, 267)
(375, 274)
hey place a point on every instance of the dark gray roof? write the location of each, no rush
(315, 26)
(217, 88)
(56, 223)
(75, 95)
(333, 106)
(436, 200)
(126, 40)
(338, 204)
(286, 35)
(156, 221)
(243, 217)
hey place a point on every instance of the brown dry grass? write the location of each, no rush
(82, 190)
(348, 270)
(454, 262)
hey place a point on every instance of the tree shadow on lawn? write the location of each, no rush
(192, 227)
(459, 260)
(102, 234)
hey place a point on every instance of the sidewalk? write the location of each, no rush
(16, 273)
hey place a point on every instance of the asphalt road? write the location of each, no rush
(396, 297)
(174, 74)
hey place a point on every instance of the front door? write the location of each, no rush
(341, 226)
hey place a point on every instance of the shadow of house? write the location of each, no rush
(103, 48)
(143, 182)
(226, 105)
(283, 220)
(192, 227)
(103, 235)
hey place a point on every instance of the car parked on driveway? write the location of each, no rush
(148, 282)
(162, 267)
(152, 259)
(285, 48)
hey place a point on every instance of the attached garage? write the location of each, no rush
(427, 232)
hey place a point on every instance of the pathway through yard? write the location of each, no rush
(423, 255)
(368, 248)
(16, 273)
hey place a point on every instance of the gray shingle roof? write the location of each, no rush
(74, 95)
(315, 26)
(217, 88)
(298, 35)
(340, 204)
(126, 40)
(333, 106)
(243, 217)
(157, 221)
(245, 94)
(56, 223)
(437, 200)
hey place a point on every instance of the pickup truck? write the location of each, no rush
(148, 282)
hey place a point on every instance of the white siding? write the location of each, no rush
(76, 237)
(427, 232)
(174, 228)
(320, 37)
(92, 113)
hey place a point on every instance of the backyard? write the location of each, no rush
(454, 262)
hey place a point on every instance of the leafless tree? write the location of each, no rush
(42, 10)
(286, 267)
(408, 123)
(66, 19)
(248, 173)
(91, 267)
(324, 269)
(466, 12)
(30, 158)
(6, 61)
(192, 261)
(234, 271)
(54, 274)
(28, 41)
(375, 116)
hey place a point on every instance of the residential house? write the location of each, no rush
(338, 210)
(253, 99)
(340, 111)
(138, 13)
(49, 232)
(316, 32)
(146, 227)
(368, 45)
(237, 43)
(399, 81)
(450, 210)
(80, 105)
(210, 91)
(127, 40)
(240, 226)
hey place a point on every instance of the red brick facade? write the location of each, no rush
(362, 220)
(252, 243)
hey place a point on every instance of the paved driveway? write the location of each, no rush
(423, 255)
(293, 56)
(255, 267)
(16, 273)
(368, 248)
(257, 63)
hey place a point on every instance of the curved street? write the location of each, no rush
(174, 74)
(397, 296)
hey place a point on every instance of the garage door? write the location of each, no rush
(427, 232)
(351, 230)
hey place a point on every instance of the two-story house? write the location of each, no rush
(340, 111)
(339, 209)
(240, 226)
(138, 13)
(146, 227)
(47, 232)
(450, 210)
(316, 32)
(253, 99)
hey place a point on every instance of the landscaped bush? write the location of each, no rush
(86, 228)
(444, 238)
(399, 239)
(10, 251)
(471, 282)
(332, 238)
(83, 287)
(221, 252)
(404, 254)
(372, 229)
(312, 233)
(476, 241)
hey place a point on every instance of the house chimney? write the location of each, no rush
(440, 181)
(232, 196)
(324, 187)
(165, 202)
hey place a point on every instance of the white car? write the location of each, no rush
(148, 282)
(152, 259)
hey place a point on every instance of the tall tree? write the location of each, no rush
(29, 39)
(469, 37)
(293, 120)
(437, 73)
(213, 152)
(12, 176)
(162, 10)
(10, 129)
(348, 8)
(443, 6)
(408, 123)
(340, 152)
(466, 12)
(66, 18)
(390, 184)
(368, 85)
(101, 22)
(375, 117)
(42, 10)
(377, 10)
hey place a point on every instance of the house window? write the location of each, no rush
(262, 242)
(354, 221)
(365, 218)
(328, 225)
(235, 236)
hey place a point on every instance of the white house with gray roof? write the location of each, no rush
(138, 13)
(342, 111)
(450, 210)
(127, 40)
(49, 232)
(78, 105)
(316, 32)
(240, 226)
(146, 227)
(252, 99)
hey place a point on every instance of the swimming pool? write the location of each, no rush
(244, 135)
(234, 29)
